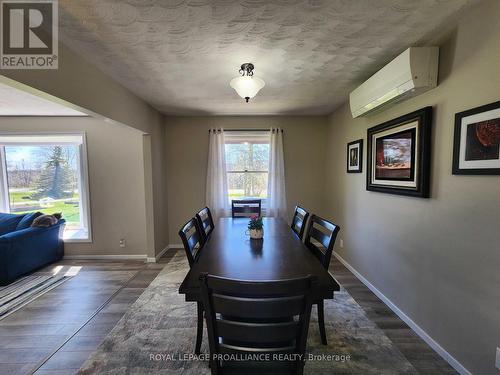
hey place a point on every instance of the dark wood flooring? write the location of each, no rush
(57, 332)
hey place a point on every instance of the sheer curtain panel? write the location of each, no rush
(216, 192)
(276, 192)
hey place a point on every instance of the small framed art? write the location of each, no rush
(355, 156)
(476, 146)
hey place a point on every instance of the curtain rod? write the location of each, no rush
(246, 130)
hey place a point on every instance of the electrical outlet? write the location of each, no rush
(123, 243)
(341, 243)
(497, 361)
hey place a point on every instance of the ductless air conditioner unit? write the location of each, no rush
(410, 74)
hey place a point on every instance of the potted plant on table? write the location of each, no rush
(256, 228)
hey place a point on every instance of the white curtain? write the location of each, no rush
(276, 193)
(216, 192)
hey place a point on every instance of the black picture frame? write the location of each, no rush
(359, 168)
(420, 155)
(459, 117)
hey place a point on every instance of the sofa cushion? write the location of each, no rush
(9, 222)
(27, 220)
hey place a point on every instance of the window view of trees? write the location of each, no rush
(247, 167)
(57, 180)
(45, 179)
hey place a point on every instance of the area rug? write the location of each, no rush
(27, 289)
(157, 336)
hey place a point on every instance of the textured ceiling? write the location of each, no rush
(14, 102)
(180, 55)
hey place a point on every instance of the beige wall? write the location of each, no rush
(437, 259)
(187, 154)
(79, 84)
(116, 179)
(159, 179)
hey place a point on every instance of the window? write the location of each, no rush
(46, 173)
(247, 164)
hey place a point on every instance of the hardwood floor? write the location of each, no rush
(418, 353)
(57, 332)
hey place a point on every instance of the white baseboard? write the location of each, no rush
(143, 257)
(176, 246)
(161, 253)
(107, 257)
(419, 331)
(158, 256)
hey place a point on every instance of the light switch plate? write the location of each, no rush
(497, 361)
(341, 243)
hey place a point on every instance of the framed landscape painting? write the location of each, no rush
(355, 156)
(476, 147)
(399, 155)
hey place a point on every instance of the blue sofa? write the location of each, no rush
(24, 249)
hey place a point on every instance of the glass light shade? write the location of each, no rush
(247, 86)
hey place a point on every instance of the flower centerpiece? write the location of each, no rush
(255, 227)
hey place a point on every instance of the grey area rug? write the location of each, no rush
(27, 289)
(157, 335)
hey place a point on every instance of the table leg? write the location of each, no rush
(321, 322)
(199, 328)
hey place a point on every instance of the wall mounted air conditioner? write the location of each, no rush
(410, 74)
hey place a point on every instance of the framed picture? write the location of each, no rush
(399, 155)
(355, 156)
(476, 147)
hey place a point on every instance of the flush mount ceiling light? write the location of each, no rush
(246, 85)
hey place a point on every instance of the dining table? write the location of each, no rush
(279, 255)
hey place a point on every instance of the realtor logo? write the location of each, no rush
(29, 37)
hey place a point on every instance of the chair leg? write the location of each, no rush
(321, 322)
(199, 328)
(299, 370)
(214, 367)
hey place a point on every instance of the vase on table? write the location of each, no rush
(255, 228)
(256, 234)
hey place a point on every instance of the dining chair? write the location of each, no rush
(205, 222)
(192, 239)
(246, 207)
(299, 221)
(320, 239)
(248, 318)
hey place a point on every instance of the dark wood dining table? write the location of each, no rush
(279, 255)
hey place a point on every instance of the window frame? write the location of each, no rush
(247, 138)
(82, 170)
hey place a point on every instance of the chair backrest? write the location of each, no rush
(247, 317)
(325, 233)
(192, 240)
(299, 221)
(205, 222)
(246, 207)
